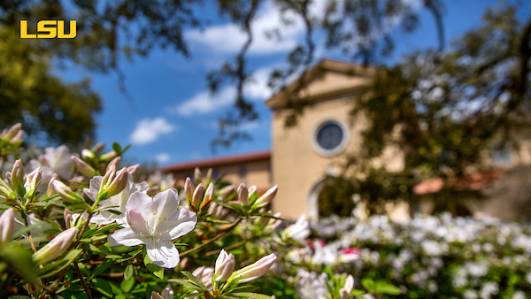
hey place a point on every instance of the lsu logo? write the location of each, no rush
(48, 29)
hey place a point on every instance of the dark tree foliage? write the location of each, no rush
(336, 197)
(30, 93)
(446, 110)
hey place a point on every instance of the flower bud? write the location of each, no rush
(118, 183)
(225, 191)
(197, 174)
(188, 190)
(167, 293)
(224, 266)
(243, 194)
(204, 274)
(87, 154)
(266, 198)
(274, 223)
(207, 198)
(155, 295)
(63, 190)
(18, 137)
(68, 216)
(113, 164)
(108, 156)
(56, 247)
(98, 148)
(255, 270)
(17, 176)
(7, 221)
(32, 180)
(217, 210)
(346, 291)
(197, 197)
(13, 134)
(6, 191)
(133, 168)
(83, 167)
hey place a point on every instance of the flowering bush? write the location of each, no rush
(429, 256)
(84, 226)
(81, 225)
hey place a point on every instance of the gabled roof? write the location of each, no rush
(217, 162)
(351, 71)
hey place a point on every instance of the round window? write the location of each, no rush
(330, 137)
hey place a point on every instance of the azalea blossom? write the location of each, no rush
(299, 231)
(155, 222)
(55, 161)
(116, 202)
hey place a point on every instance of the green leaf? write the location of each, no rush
(103, 286)
(127, 284)
(156, 270)
(21, 261)
(380, 287)
(117, 148)
(128, 272)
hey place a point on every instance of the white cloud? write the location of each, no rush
(229, 38)
(162, 157)
(149, 130)
(204, 102)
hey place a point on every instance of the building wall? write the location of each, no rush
(298, 167)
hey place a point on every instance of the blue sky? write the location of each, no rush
(170, 116)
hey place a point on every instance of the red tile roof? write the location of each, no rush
(217, 162)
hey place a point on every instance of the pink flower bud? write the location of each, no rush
(224, 266)
(56, 247)
(204, 274)
(266, 198)
(118, 183)
(7, 221)
(255, 270)
(243, 194)
(83, 167)
(133, 168)
(17, 175)
(12, 133)
(63, 190)
(197, 197)
(32, 180)
(207, 198)
(188, 190)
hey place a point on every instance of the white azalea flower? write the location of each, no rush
(155, 222)
(299, 231)
(117, 202)
(55, 161)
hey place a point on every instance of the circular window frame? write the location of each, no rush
(339, 148)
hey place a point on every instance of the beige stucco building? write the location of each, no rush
(302, 155)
